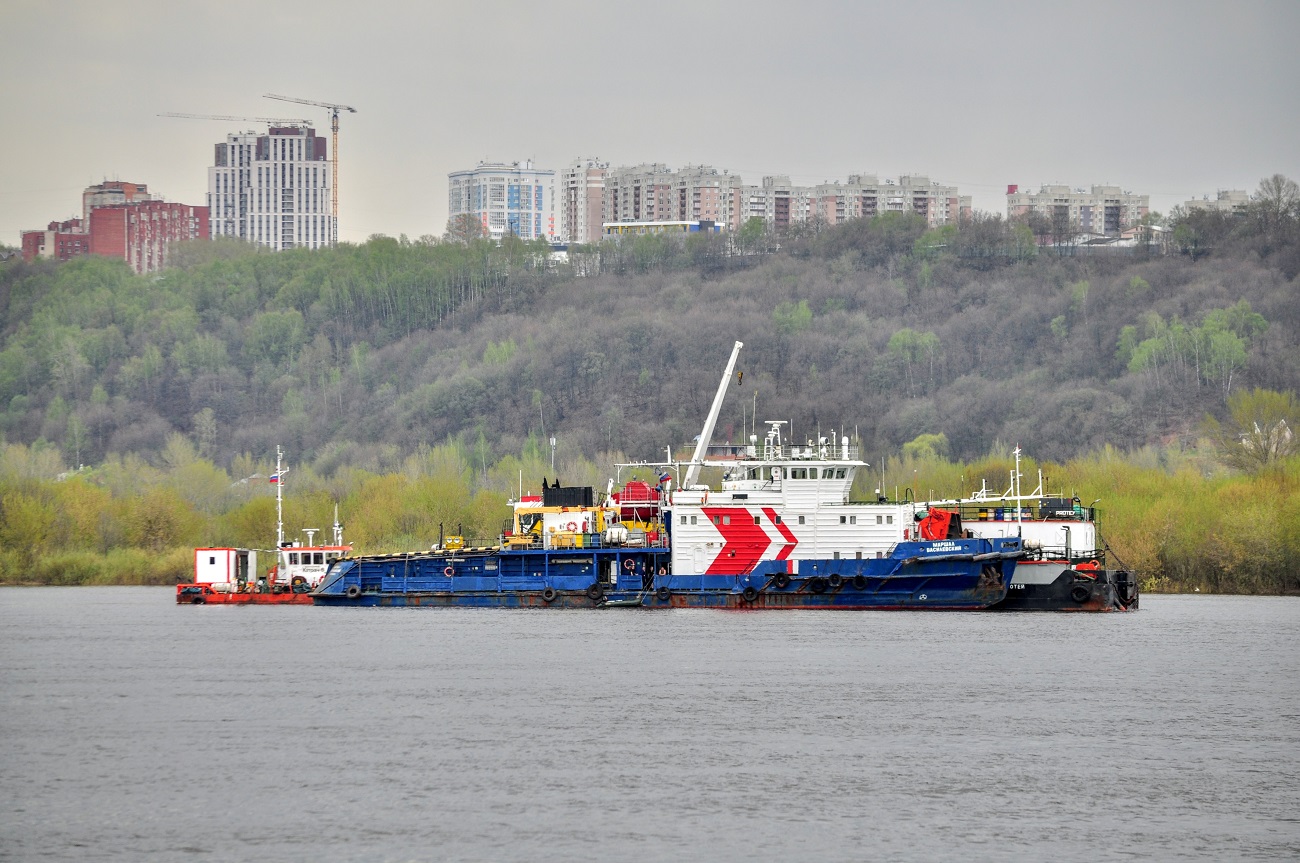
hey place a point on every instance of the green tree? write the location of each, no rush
(1259, 431)
(927, 447)
(752, 235)
(791, 318)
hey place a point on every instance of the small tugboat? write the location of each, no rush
(1064, 568)
(229, 576)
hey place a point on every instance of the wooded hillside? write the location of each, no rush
(880, 327)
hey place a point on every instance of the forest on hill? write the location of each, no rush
(958, 342)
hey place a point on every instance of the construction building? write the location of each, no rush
(120, 220)
(512, 199)
(273, 189)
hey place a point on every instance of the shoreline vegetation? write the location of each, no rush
(1177, 517)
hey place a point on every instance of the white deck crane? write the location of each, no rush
(334, 128)
(706, 435)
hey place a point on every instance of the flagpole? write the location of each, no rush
(279, 502)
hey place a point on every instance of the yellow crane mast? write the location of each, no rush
(334, 127)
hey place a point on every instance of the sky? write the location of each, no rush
(1171, 98)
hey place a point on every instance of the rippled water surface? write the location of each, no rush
(134, 729)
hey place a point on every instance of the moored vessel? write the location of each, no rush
(230, 576)
(1067, 563)
(780, 532)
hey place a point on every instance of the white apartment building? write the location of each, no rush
(506, 199)
(273, 189)
(582, 201)
(1104, 210)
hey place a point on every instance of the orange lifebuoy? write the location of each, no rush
(629, 564)
(448, 572)
(571, 526)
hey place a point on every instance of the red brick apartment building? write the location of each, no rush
(120, 220)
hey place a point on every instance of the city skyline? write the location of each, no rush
(1172, 100)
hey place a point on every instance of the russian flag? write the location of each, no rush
(275, 477)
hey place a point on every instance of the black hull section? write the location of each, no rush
(1072, 590)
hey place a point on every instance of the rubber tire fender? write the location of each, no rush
(859, 582)
(595, 593)
(750, 593)
(817, 585)
(835, 580)
(353, 591)
(549, 594)
(663, 594)
(1080, 593)
(782, 580)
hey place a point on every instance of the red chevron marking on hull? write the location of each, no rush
(790, 539)
(744, 542)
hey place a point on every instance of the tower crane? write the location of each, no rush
(274, 121)
(334, 127)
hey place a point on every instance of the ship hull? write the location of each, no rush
(1055, 586)
(962, 575)
(203, 594)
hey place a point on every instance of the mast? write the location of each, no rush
(697, 460)
(338, 528)
(279, 500)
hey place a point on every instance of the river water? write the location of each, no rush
(134, 729)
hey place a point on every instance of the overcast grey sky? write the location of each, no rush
(1172, 99)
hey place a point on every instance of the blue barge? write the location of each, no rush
(943, 574)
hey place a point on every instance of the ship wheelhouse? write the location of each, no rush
(780, 502)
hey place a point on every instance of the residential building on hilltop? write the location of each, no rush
(1102, 210)
(1224, 201)
(59, 240)
(654, 193)
(120, 220)
(506, 199)
(582, 207)
(273, 189)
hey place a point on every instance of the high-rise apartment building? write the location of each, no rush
(505, 199)
(273, 189)
(582, 205)
(653, 193)
(120, 220)
(1105, 210)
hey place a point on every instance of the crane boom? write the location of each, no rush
(334, 129)
(702, 446)
(275, 121)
